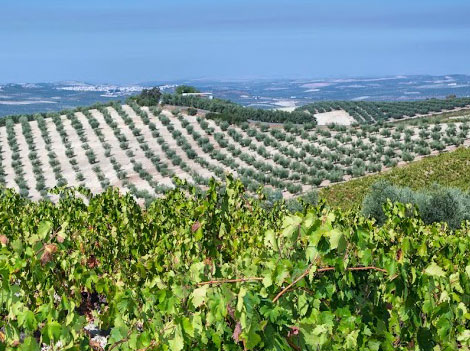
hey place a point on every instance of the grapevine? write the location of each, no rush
(220, 270)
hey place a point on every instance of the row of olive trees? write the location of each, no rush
(170, 153)
(373, 111)
(137, 166)
(16, 162)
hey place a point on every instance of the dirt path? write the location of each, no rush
(59, 148)
(49, 176)
(27, 166)
(6, 155)
(340, 117)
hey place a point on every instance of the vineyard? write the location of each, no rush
(140, 150)
(220, 270)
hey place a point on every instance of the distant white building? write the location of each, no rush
(203, 95)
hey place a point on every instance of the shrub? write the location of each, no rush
(407, 157)
(91, 156)
(437, 204)
(80, 177)
(443, 204)
(192, 111)
(309, 198)
(181, 89)
(378, 195)
(148, 97)
(335, 176)
(294, 188)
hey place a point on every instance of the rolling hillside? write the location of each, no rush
(360, 112)
(140, 149)
(371, 112)
(449, 169)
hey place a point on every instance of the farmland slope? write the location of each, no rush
(449, 169)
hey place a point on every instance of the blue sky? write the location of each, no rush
(138, 40)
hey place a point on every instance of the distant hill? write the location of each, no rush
(50, 97)
(281, 93)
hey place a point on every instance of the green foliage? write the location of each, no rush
(379, 194)
(224, 110)
(182, 89)
(299, 203)
(192, 111)
(435, 205)
(216, 270)
(147, 97)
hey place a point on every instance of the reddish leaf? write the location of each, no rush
(195, 226)
(231, 311)
(92, 262)
(236, 332)
(95, 345)
(50, 248)
(293, 331)
(399, 255)
(3, 239)
(49, 251)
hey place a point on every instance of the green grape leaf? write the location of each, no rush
(337, 240)
(434, 270)
(29, 344)
(27, 320)
(198, 296)
(43, 229)
(187, 326)
(177, 343)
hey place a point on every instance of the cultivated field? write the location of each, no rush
(340, 117)
(374, 111)
(141, 149)
(448, 169)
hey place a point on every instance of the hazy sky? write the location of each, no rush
(137, 40)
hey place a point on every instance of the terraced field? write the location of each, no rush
(360, 112)
(141, 149)
(372, 111)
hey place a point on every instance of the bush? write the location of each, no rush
(437, 204)
(443, 204)
(380, 192)
(192, 111)
(148, 97)
(182, 89)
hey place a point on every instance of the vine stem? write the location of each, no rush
(230, 280)
(283, 291)
(324, 269)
